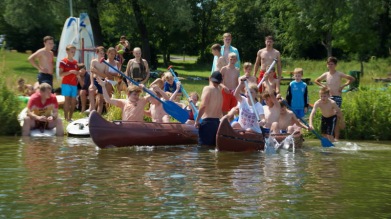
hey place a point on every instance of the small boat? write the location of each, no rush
(107, 134)
(229, 139)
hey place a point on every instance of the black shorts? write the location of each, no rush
(328, 125)
(338, 100)
(45, 78)
(207, 131)
(97, 85)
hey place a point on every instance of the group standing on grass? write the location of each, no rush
(225, 94)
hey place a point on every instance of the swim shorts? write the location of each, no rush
(207, 131)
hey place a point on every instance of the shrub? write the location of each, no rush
(9, 109)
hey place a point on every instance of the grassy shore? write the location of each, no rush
(194, 77)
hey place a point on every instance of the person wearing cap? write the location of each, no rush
(210, 111)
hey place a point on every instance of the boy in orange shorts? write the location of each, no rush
(230, 81)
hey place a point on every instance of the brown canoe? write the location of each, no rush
(229, 139)
(123, 133)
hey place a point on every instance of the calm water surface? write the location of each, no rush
(72, 178)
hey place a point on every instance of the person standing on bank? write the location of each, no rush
(138, 68)
(225, 50)
(45, 61)
(265, 58)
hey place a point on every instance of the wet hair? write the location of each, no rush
(99, 48)
(216, 47)
(134, 88)
(46, 38)
(332, 59)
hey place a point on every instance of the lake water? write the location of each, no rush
(72, 178)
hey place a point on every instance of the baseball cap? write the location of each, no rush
(216, 77)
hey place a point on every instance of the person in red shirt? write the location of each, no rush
(69, 71)
(42, 111)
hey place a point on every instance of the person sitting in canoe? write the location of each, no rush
(132, 107)
(156, 111)
(42, 112)
(272, 108)
(288, 122)
(247, 117)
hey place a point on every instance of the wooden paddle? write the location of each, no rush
(195, 110)
(325, 142)
(267, 72)
(170, 107)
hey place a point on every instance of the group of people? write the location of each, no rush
(226, 95)
(255, 97)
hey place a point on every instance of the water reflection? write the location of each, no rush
(71, 177)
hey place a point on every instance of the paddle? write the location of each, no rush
(325, 142)
(267, 72)
(170, 107)
(195, 110)
(252, 100)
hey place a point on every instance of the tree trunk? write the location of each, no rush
(146, 49)
(95, 22)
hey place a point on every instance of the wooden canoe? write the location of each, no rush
(229, 139)
(124, 133)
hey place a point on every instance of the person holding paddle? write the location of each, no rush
(330, 112)
(133, 107)
(248, 119)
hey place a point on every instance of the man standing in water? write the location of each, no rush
(45, 61)
(265, 58)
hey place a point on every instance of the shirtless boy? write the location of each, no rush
(45, 61)
(218, 62)
(288, 122)
(272, 109)
(98, 70)
(210, 111)
(330, 112)
(133, 107)
(230, 81)
(247, 68)
(333, 80)
(265, 58)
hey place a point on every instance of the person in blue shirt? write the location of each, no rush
(297, 94)
(225, 50)
(169, 85)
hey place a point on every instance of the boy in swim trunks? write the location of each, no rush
(69, 71)
(330, 113)
(333, 80)
(210, 111)
(45, 61)
(98, 69)
(265, 58)
(230, 75)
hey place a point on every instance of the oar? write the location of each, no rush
(195, 110)
(267, 72)
(252, 100)
(325, 142)
(170, 107)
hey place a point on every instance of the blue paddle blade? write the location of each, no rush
(326, 142)
(175, 111)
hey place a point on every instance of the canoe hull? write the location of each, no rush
(229, 139)
(123, 133)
